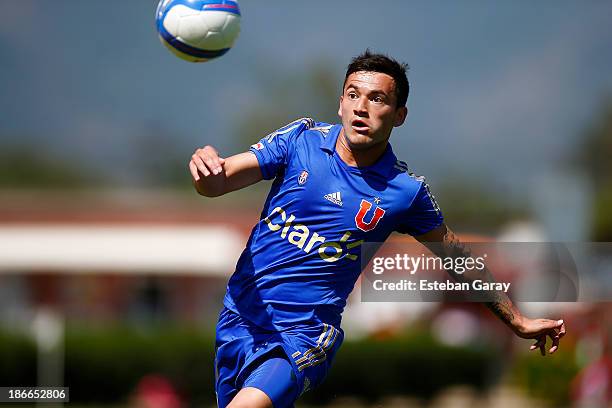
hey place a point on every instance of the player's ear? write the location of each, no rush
(400, 116)
(340, 106)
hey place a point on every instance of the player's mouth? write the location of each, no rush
(360, 126)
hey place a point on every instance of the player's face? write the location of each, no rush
(368, 109)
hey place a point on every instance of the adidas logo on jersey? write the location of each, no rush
(334, 198)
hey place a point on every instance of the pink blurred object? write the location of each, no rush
(592, 387)
(156, 391)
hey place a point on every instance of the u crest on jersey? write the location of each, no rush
(364, 208)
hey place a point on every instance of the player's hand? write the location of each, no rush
(205, 162)
(539, 329)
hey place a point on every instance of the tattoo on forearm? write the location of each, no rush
(502, 309)
(500, 304)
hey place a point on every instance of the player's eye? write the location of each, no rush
(352, 95)
(378, 99)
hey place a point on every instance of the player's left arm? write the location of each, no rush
(444, 243)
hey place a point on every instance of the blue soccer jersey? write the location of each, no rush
(303, 256)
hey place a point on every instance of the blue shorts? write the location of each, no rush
(283, 364)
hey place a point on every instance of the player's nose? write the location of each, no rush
(361, 106)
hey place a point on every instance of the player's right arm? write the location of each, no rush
(214, 176)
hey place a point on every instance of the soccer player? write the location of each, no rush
(335, 187)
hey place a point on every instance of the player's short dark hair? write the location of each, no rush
(372, 62)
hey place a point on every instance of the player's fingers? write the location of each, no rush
(214, 160)
(539, 344)
(536, 344)
(210, 157)
(220, 162)
(199, 162)
(543, 345)
(562, 329)
(210, 150)
(555, 343)
(194, 171)
(210, 163)
(216, 164)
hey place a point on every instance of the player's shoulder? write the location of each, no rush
(305, 130)
(292, 128)
(412, 183)
(403, 175)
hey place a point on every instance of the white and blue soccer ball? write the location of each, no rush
(198, 30)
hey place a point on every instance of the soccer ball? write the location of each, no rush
(198, 30)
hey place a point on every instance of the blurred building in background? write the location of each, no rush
(128, 257)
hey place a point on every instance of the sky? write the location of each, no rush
(498, 90)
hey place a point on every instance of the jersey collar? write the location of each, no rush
(329, 141)
(383, 166)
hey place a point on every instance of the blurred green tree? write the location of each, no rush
(159, 158)
(468, 206)
(594, 156)
(26, 167)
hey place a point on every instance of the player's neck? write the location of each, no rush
(359, 158)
